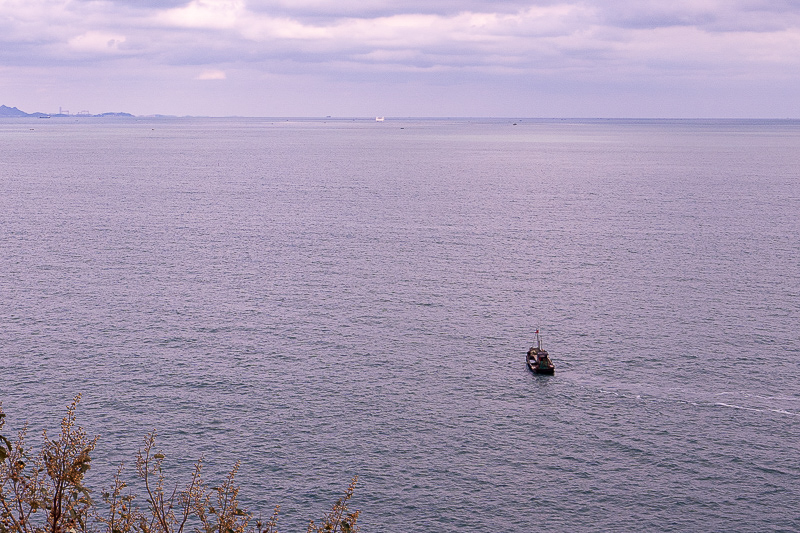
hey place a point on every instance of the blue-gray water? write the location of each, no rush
(321, 299)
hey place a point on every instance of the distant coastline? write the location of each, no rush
(13, 112)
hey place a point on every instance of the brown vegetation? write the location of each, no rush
(44, 493)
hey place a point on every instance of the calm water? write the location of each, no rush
(324, 299)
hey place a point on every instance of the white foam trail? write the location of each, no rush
(739, 407)
(781, 411)
(780, 398)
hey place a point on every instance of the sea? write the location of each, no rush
(319, 299)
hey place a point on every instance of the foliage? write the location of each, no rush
(339, 519)
(44, 493)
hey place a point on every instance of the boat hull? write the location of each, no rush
(535, 366)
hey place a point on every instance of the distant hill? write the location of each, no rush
(114, 115)
(6, 111)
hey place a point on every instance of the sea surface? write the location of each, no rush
(320, 299)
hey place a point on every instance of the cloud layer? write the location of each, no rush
(645, 44)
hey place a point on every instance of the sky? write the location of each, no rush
(404, 58)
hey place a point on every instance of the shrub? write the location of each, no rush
(44, 493)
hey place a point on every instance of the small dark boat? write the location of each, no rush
(538, 360)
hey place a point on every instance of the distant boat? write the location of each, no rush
(380, 119)
(538, 360)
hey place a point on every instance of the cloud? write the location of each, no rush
(573, 41)
(96, 41)
(517, 36)
(211, 75)
(448, 32)
(401, 27)
(205, 14)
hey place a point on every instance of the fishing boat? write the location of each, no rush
(538, 360)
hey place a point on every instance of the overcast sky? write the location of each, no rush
(592, 58)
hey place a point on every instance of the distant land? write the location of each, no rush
(10, 112)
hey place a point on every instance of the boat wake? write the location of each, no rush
(757, 410)
(740, 400)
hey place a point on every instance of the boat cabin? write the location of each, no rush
(538, 359)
